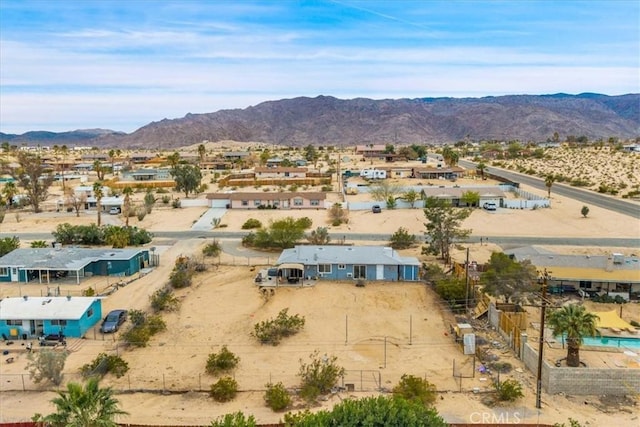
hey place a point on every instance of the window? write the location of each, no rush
(4, 271)
(359, 271)
(297, 201)
(14, 322)
(257, 203)
(324, 268)
(58, 323)
(245, 203)
(90, 312)
(341, 266)
(314, 202)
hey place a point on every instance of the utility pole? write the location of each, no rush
(466, 281)
(543, 309)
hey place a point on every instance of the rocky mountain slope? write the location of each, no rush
(326, 120)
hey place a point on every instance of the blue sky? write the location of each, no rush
(120, 64)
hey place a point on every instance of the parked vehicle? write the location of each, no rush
(373, 174)
(114, 211)
(113, 321)
(376, 209)
(52, 340)
(490, 206)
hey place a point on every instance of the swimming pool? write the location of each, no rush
(633, 343)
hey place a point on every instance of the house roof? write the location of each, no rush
(267, 196)
(457, 192)
(334, 254)
(44, 308)
(63, 258)
(581, 267)
(279, 169)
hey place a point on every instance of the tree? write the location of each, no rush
(338, 215)
(369, 411)
(100, 170)
(408, 153)
(47, 364)
(202, 152)
(471, 198)
(389, 149)
(98, 193)
(415, 389)
(509, 279)
(443, 227)
(450, 156)
(573, 322)
(149, 201)
(548, 182)
(187, 177)
(319, 236)
(401, 239)
(8, 244)
(411, 196)
(88, 406)
(584, 211)
(126, 206)
(34, 178)
(112, 157)
(481, 167)
(311, 154)
(383, 190)
(173, 160)
(283, 233)
(75, 200)
(10, 191)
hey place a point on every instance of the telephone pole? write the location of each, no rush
(543, 309)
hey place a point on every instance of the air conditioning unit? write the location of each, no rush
(350, 275)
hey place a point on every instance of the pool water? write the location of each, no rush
(609, 342)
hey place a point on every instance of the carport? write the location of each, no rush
(290, 273)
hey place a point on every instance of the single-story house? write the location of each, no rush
(235, 155)
(255, 200)
(613, 274)
(337, 262)
(139, 158)
(371, 150)
(106, 203)
(280, 172)
(449, 172)
(30, 317)
(488, 194)
(45, 265)
(147, 175)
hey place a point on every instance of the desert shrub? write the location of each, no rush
(182, 274)
(39, 244)
(277, 397)
(319, 375)
(319, 236)
(212, 249)
(502, 367)
(249, 239)
(634, 324)
(142, 328)
(326, 188)
(273, 330)
(137, 336)
(415, 389)
(304, 222)
(251, 223)
(401, 239)
(572, 423)
(141, 212)
(338, 215)
(46, 364)
(166, 199)
(236, 419)
(89, 292)
(163, 300)
(155, 324)
(104, 364)
(224, 390)
(508, 390)
(223, 361)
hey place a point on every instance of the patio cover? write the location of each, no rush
(610, 319)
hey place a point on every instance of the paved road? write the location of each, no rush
(587, 197)
(499, 240)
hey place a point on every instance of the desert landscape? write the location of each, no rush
(378, 333)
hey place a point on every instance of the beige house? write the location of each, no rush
(280, 172)
(262, 200)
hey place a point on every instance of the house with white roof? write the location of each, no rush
(30, 317)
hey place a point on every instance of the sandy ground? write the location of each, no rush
(351, 323)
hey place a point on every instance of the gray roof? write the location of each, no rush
(63, 258)
(336, 254)
(542, 257)
(44, 308)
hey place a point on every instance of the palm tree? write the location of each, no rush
(574, 322)
(202, 151)
(548, 182)
(10, 190)
(88, 406)
(481, 167)
(128, 191)
(98, 194)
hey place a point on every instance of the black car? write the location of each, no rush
(113, 321)
(376, 209)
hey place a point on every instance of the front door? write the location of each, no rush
(379, 272)
(14, 274)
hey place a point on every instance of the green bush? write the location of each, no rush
(304, 222)
(273, 330)
(224, 390)
(163, 300)
(251, 223)
(166, 199)
(401, 239)
(138, 336)
(103, 364)
(277, 397)
(319, 375)
(142, 328)
(212, 249)
(221, 362)
(416, 389)
(237, 419)
(634, 323)
(508, 390)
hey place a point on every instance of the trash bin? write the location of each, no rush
(24, 337)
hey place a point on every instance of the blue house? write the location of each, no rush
(350, 262)
(30, 317)
(45, 265)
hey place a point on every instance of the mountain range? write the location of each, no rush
(325, 120)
